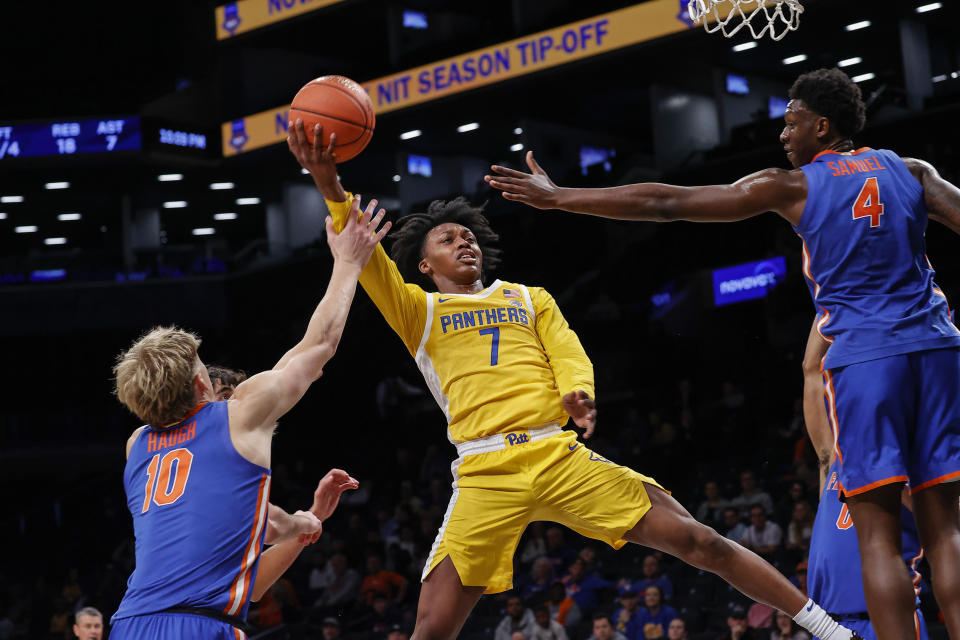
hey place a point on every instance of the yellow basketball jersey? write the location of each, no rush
(495, 361)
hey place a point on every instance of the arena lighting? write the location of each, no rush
(396, 177)
(470, 126)
(248, 200)
(518, 130)
(864, 77)
(220, 186)
(11, 198)
(854, 26)
(516, 147)
(57, 185)
(203, 231)
(304, 172)
(3, 216)
(67, 217)
(793, 59)
(170, 177)
(407, 135)
(175, 204)
(849, 62)
(27, 228)
(50, 241)
(224, 216)
(940, 78)
(744, 46)
(929, 7)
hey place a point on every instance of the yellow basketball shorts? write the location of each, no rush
(497, 494)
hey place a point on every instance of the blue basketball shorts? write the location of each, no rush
(865, 628)
(896, 419)
(173, 626)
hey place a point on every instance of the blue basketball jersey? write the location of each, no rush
(864, 256)
(199, 516)
(833, 569)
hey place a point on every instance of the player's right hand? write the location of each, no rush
(355, 242)
(320, 162)
(331, 487)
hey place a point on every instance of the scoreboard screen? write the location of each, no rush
(68, 137)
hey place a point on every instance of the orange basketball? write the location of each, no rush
(340, 106)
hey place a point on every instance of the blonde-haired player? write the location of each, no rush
(197, 476)
(508, 372)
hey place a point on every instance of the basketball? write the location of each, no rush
(340, 106)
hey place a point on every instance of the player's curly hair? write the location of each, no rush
(832, 94)
(408, 239)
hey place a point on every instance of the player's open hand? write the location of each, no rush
(355, 242)
(583, 410)
(308, 527)
(319, 161)
(535, 189)
(331, 487)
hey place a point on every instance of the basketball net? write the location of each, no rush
(776, 17)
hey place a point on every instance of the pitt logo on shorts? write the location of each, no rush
(516, 438)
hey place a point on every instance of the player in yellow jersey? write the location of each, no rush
(508, 373)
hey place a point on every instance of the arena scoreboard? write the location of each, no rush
(69, 137)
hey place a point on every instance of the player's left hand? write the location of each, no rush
(535, 189)
(331, 487)
(583, 410)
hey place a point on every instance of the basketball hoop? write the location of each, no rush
(778, 17)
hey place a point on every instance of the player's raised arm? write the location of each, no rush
(941, 197)
(260, 401)
(777, 190)
(571, 366)
(814, 409)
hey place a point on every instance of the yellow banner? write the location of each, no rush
(239, 17)
(575, 41)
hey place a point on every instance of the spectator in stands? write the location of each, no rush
(762, 536)
(603, 629)
(545, 628)
(558, 551)
(518, 618)
(737, 628)
(652, 576)
(710, 511)
(783, 511)
(270, 610)
(397, 632)
(589, 557)
(760, 616)
(344, 585)
(732, 528)
(800, 529)
(750, 495)
(331, 628)
(677, 629)
(535, 545)
(654, 616)
(321, 574)
(583, 588)
(379, 581)
(787, 629)
(799, 579)
(378, 621)
(88, 624)
(541, 576)
(626, 619)
(562, 607)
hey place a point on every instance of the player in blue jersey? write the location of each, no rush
(893, 366)
(833, 574)
(197, 477)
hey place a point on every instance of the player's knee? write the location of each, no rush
(431, 626)
(702, 546)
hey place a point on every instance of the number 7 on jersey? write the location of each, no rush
(494, 332)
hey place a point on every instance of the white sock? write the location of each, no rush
(819, 624)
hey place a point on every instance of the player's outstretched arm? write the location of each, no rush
(277, 559)
(774, 190)
(814, 409)
(941, 197)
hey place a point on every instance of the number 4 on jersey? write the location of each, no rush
(868, 203)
